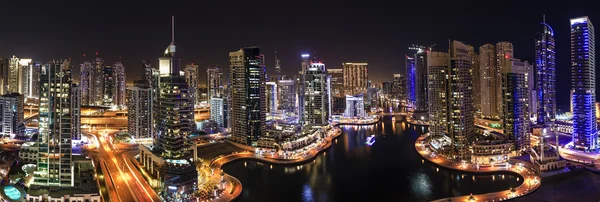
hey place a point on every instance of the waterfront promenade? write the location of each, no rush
(234, 186)
(531, 181)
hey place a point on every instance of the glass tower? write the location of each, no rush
(248, 100)
(411, 80)
(545, 76)
(54, 166)
(583, 83)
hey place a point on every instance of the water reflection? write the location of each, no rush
(352, 171)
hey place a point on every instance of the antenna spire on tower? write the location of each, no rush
(544, 18)
(172, 28)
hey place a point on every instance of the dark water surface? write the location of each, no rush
(389, 170)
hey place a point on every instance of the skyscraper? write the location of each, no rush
(11, 115)
(476, 78)
(316, 90)
(355, 78)
(437, 66)
(287, 95)
(278, 73)
(421, 79)
(14, 75)
(300, 88)
(503, 50)
(119, 85)
(175, 110)
(55, 160)
(217, 111)
(24, 66)
(271, 93)
(248, 103)
(583, 82)
(169, 159)
(337, 90)
(108, 90)
(85, 82)
(460, 101)
(75, 112)
(139, 108)
(545, 76)
(3, 75)
(32, 80)
(214, 82)
(515, 91)
(92, 82)
(411, 85)
(191, 77)
(489, 81)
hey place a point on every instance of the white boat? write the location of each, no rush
(370, 140)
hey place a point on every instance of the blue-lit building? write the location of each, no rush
(545, 77)
(411, 80)
(515, 101)
(583, 83)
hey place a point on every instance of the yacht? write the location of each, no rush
(370, 140)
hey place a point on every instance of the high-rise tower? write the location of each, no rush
(214, 82)
(437, 66)
(120, 87)
(583, 83)
(489, 81)
(191, 77)
(355, 78)
(460, 100)
(54, 165)
(248, 102)
(515, 94)
(545, 76)
(411, 80)
(316, 93)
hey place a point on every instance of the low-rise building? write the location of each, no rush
(546, 158)
(490, 152)
(29, 152)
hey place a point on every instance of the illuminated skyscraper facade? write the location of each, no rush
(421, 80)
(489, 81)
(247, 94)
(75, 111)
(355, 77)
(54, 164)
(338, 103)
(108, 90)
(139, 110)
(476, 78)
(515, 91)
(11, 115)
(92, 82)
(437, 66)
(583, 83)
(287, 95)
(503, 50)
(411, 86)
(460, 100)
(545, 76)
(191, 77)
(316, 92)
(120, 87)
(214, 82)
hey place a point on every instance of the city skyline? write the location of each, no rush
(383, 53)
(467, 96)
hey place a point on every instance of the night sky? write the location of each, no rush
(206, 31)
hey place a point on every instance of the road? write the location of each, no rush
(128, 183)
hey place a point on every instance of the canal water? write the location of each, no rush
(351, 170)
